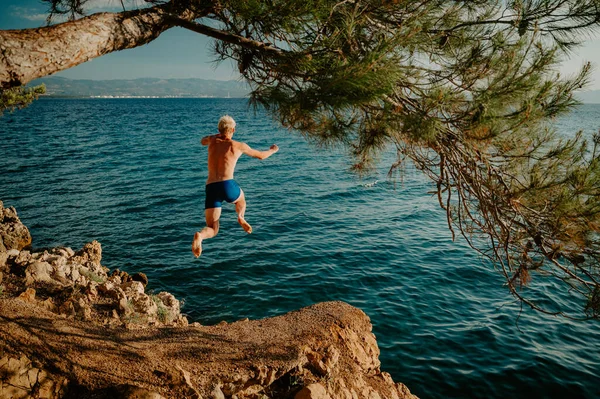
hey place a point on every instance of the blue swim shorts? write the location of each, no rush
(216, 193)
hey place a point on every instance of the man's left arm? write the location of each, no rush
(245, 149)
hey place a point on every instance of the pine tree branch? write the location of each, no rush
(227, 37)
(29, 54)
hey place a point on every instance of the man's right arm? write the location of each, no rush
(258, 154)
(206, 140)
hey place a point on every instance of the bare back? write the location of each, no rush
(223, 155)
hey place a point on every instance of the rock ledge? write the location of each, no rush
(71, 329)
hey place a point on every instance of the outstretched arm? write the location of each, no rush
(259, 154)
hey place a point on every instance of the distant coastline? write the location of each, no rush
(53, 96)
(58, 87)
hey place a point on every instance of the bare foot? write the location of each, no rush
(197, 245)
(245, 225)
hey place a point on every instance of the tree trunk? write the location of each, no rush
(32, 53)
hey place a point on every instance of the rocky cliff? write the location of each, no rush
(69, 328)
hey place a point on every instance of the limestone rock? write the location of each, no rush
(170, 302)
(117, 273)
(132, 392)
(80, 287)
(38, 272)
(184, 378)
(15, 236)
(216, 393)
(324, 361)
(28, 295)
(13, 233)
(313, 391)
(133, 287)
(90, 253)
(363, 349)
(91, 291)
(143, 304)
(12, 253)
(106, 288)
(49, 304)
(3, 259)
(67, 309)
(74, 273)
(63, 251)
(23, 258)
(125, 277)
(239, 360)
(141, 277)
(9, 215)
(20, 379)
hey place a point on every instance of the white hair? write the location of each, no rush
(226, 123)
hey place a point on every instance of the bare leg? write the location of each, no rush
(212, 216)
(240, 208)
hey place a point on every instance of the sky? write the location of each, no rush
(179, 53)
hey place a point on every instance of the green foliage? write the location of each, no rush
(135, 318)
(92, 276)
(163, 313)
(464, 90)
(19, 97)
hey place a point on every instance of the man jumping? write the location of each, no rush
(223, 153)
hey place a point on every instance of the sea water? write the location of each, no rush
(130, 173)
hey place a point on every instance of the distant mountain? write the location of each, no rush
(144, 87)
(156, 87)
